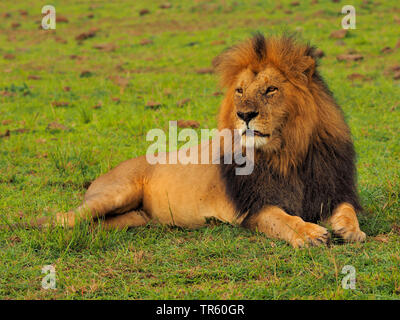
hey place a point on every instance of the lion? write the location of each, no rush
(304, 159)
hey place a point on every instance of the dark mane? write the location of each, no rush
(325, 179)
(259, 45)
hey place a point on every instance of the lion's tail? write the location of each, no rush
(31, 224)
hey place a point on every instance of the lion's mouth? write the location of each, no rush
(257, 133)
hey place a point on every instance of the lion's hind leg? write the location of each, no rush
(117, 192)
(113, 199)
(344, 223)
(135, 218)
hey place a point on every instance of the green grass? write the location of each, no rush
(46, 168)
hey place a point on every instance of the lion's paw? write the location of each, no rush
(350, 235)
(310, 234)
(347, 228)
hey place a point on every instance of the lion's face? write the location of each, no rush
(262, 104)
(274, 89)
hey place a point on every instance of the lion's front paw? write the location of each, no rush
(345, 224)
(310, 234)
(347, 229)
(350, 234)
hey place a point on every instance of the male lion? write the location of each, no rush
(304, 168)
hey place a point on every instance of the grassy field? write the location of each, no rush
(76, 101)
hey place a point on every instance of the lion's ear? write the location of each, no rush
(307, 66)
(220, 64)
(227, 64)
(217, 61)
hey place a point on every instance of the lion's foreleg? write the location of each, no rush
(276, 223)
(344, 223)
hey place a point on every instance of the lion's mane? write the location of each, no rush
(314, 170)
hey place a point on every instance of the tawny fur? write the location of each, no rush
(300, 113)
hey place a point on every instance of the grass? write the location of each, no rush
(54, 143)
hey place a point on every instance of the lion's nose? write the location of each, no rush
(247, 116)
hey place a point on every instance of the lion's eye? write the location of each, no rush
(271, 90)
(239, 91)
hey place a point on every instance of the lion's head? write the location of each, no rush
(274, 89)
